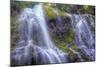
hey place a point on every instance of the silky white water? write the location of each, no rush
(33, 19)
(84, 37)
(35, 45)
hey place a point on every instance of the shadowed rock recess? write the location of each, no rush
(46, 35)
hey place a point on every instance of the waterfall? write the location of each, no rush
(30, 21)
(36, 46)
(83, 35)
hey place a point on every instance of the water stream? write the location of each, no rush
(43, 53)
(32, 24)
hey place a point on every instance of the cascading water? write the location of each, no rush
(33, 19)
(35, 46)
(59, 23)
(83, 35)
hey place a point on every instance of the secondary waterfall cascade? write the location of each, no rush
(33, 26)
(84, 37)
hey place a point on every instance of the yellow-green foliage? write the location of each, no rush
(49, 12)
(70, 35)
(74, 47)
(62, 46)
(86, 8)
(69, 39)
(63, 14)
(23, 5)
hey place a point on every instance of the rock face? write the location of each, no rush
(45, 37)
(78, 31)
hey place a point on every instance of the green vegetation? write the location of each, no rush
(14, 31)
(63, 10)
(49, 12)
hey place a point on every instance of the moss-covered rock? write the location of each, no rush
(49, 12)
(14, 31)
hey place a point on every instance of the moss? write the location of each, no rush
(74, 47)
(69, 39)
(14, 31)
(62, 46)
(65, 47)
(63, 14)
(70, 35)
(49, 12)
